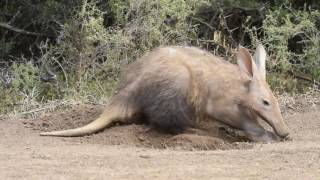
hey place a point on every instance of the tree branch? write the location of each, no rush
(9, 27)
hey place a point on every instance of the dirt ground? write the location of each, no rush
(136, 152)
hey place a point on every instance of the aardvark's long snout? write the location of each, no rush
(279, 127)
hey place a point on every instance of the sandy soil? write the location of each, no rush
(135, 152)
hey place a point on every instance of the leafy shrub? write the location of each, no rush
(292, 37)
(23, 89)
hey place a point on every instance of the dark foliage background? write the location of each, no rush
(52, 50)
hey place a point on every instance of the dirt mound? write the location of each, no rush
(213, 137)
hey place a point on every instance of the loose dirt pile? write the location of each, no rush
(214, 136)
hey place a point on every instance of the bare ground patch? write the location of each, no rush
(133, 152)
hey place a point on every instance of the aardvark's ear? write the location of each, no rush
(260, 58)
(245, 62)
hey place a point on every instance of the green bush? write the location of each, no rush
(283, 28)
(23, 90)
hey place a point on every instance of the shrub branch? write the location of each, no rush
(21, 31)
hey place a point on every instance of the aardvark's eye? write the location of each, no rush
(265, 102)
